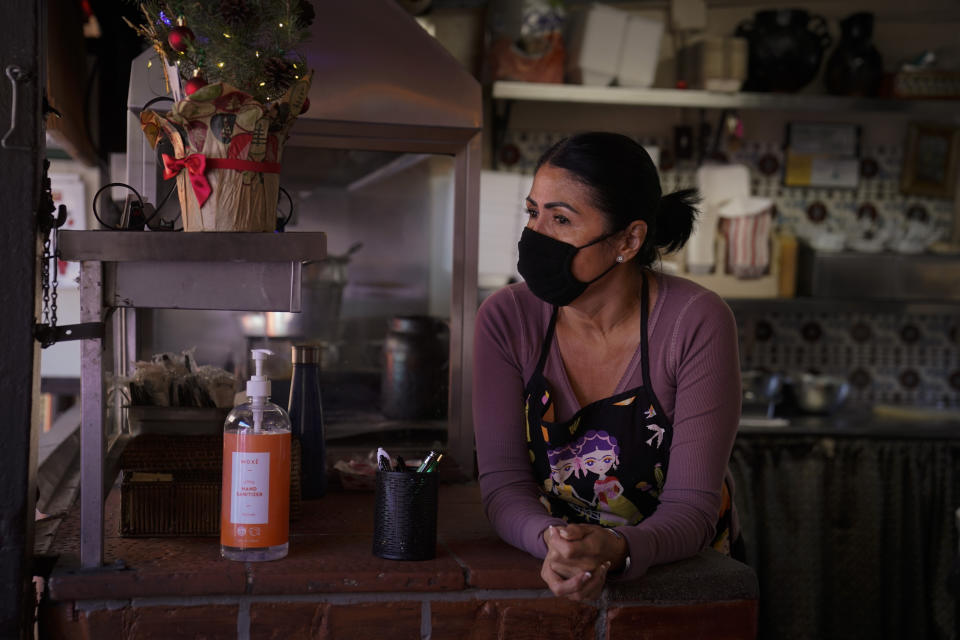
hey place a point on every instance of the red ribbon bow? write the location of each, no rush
(196, 165)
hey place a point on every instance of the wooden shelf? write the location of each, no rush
(729, 286)
(690, 98)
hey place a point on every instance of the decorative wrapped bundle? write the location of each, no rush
(227, 151)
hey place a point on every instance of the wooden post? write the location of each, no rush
(21, 151)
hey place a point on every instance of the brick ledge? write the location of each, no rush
(332, 581)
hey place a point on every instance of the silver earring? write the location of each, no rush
(619, 258)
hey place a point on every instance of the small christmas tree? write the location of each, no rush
(249, 44)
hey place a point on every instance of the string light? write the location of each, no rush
(263, 84)
(281, 25)
(220, 65)
(226, 35)
(149, 63)
(257, 53)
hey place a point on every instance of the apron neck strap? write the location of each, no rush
(644, 346)
(548, 340)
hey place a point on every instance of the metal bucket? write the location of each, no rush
(321, 296)
(416, 358)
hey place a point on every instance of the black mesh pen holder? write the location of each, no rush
(405, 515)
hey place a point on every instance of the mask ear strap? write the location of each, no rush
(611, 267)
(606, 271)
(600, 239)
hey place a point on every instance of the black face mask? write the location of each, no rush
(546, 265)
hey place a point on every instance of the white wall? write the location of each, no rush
(62, 360)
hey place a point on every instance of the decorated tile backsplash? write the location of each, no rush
(874, 214)
(888, 357)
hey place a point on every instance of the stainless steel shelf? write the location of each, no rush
(147, 246)
(233, 286)
(690, 98)
(885, 276)
(228, 271)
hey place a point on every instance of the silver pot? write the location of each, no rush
(819, 393)
(761, 389)
(321, 295)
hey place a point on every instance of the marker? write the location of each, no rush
(383, 459)
(430, 462)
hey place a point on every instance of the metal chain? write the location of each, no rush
(45, 279)
(55, 257)
(48, 224)
(48, 282)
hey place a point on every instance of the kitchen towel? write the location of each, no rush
(719, 184)
(746, 225)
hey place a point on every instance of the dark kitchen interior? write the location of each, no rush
(824, 138)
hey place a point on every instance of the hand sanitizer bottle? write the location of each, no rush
(255, 502)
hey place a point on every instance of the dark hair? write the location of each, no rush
(626, 187)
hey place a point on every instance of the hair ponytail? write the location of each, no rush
(675, 218)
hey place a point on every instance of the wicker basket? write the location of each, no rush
(180, 503)
(171, 485)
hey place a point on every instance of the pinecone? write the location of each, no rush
(278, 73)
(305, 14)
(235, 12)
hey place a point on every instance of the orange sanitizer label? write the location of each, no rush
(255, 503)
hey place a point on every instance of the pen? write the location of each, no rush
(401, 464)
(430, 462)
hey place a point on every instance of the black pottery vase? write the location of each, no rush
(785, 49)
(855, 68)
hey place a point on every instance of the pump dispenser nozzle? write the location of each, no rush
(258, 386)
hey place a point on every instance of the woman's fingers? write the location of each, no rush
(592, 588)
(564, 587)
(555, 575)
(572, 531)
(585, 587)
(571, 581)
(567, 544)
(560, 560)
(568, 569)
(582, 544)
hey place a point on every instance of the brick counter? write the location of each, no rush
(331, 586)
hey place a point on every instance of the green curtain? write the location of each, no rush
(850, 537)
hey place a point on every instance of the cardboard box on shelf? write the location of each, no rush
(639, 52)
(594, 38)
(714, 63)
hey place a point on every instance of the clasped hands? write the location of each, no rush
(579, 558)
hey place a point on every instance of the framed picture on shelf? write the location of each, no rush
(930, 160)
(822, 154)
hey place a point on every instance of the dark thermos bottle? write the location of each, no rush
(306, 420)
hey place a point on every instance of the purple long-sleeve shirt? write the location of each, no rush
(695, 373)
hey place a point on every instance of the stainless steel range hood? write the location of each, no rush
(380, 79)
(381, 83)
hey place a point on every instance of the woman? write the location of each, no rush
(632, 373)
